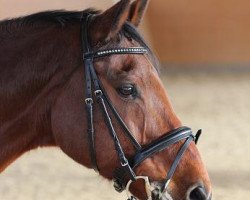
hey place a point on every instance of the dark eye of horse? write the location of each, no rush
(127, 90)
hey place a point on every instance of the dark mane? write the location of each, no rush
(60, 17)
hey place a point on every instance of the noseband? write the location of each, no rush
(124, 175)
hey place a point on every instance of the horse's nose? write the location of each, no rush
(198, 193)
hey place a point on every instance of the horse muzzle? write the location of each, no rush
(156, 191)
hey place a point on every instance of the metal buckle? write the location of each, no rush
(88, 100)
(124, 163)
(148, 187)
(98, 92)
(129, 170)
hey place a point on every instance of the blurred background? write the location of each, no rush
(204, 49)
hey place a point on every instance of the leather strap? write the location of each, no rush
(177, 161)
(161, 143)
(88, 95)
(197, 136)
(127, 132)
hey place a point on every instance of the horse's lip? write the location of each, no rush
(157, 185)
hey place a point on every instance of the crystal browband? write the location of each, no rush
(131, 50)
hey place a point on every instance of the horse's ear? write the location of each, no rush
(137, 11)
(107, 24)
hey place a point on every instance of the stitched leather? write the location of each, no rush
(162, 143)
(89, 99)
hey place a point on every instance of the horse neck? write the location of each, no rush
(34, 65)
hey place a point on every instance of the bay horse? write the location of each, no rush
(125, 128)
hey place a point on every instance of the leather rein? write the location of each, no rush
(124, 175)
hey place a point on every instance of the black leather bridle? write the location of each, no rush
(125, 172)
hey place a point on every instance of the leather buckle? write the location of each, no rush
(148, 188)
(98, 93)
(124, 162)
(128, 169)
(89, 101)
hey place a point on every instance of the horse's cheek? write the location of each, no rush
(68, 122)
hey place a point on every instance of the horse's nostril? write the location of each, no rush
(198, 193)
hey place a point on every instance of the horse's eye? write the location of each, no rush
(127, 90)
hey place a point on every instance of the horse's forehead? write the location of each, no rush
(139, 65)
(142, 63)
(136, 65)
